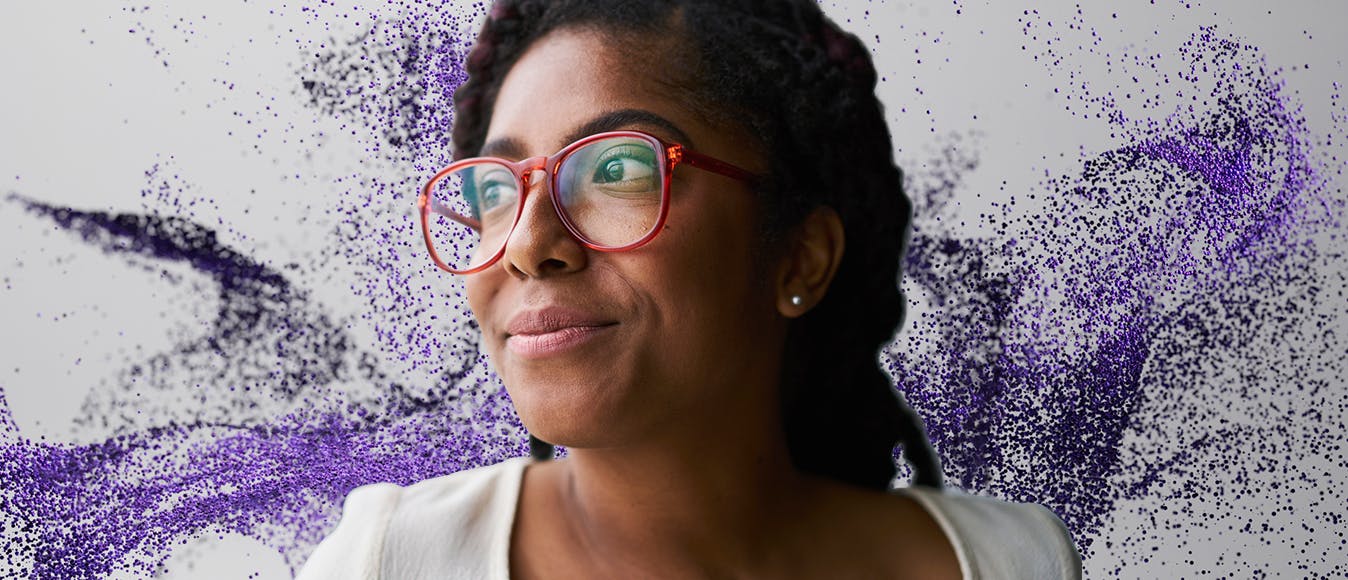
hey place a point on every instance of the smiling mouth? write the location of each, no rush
(554, 342)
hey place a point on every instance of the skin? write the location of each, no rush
(678, 465)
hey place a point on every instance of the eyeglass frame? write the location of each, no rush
(674, 154)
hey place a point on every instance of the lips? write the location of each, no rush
(539, 334)
(553, 319)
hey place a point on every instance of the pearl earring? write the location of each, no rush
(796, 300)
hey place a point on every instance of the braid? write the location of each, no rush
(762, 62)
(497, 47)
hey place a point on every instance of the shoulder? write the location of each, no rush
(352, 549)
(997, 539)
(448, 526)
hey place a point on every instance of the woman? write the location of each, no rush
(680, 229)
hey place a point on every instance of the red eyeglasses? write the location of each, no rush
(611, 190)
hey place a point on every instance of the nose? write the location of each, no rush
(540, 245)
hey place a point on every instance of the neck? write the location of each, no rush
(699, 499)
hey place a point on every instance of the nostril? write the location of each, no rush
(552, 264)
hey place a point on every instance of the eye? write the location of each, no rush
(626, 168)
(611, 171)
(495, 189)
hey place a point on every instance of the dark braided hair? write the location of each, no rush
(806, 90)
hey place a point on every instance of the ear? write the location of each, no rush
(809, 265)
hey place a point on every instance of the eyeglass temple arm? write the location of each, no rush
(678, 154)
(444, 210)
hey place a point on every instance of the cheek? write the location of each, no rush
(706, 276)
(479, 294)
(473, 293)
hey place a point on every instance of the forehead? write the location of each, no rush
(570, 77)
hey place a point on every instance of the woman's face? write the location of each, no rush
(658, 341)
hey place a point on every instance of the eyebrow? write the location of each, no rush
(512, 148)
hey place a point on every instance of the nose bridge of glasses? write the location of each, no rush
(527, 169)
(534, 173)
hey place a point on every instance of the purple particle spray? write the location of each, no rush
(1173, 274)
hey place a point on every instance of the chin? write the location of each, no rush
(590, 430)
(576, 414)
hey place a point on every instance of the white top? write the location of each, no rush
(458, 526)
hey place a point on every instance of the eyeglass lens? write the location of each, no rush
(610, 190)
